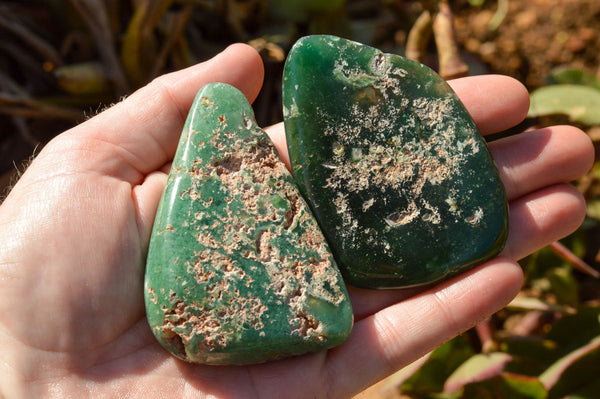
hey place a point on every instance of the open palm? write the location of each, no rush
(75, 231)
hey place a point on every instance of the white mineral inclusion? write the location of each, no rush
(362, 160)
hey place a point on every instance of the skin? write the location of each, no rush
(75, 232)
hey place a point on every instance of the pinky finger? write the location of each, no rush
(397, 335)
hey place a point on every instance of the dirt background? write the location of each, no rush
(532, 37)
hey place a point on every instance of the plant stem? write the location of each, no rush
(451, 64)
(485, 332)
(419, 36)
(573, 259)
(95, 17)
(499, 16)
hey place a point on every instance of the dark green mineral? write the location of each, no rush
(238, 271)
(392, 165)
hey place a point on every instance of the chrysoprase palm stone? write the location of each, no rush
(238, 271)
(392, 165)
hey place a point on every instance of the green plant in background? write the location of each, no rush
(573, 92)
(546, 343)
(562, 363)
(304, 10)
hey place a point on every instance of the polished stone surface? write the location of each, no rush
(391, 163)
(238, 271)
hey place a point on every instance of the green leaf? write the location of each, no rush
(506, 386)
(539, 264)
(81, 79)
(477, 368)
(301, 10)
(574, 331)
(441, 363)
(139, 48)
(580, 103)
(518, 386)
(564, 286)
(589, 391)
(575, 76)
(593, 208)
(476, 3)
(531, 356)
(550, 274)
(573, 371)
(324, 6)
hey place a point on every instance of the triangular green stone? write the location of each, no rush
(238, 271)
(393, 166)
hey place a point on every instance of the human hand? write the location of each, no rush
(76, 227)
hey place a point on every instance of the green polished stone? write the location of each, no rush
(238, 271)
(392, 165)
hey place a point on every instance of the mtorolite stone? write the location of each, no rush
(391, 163)
(238, 271)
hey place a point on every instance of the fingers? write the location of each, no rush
(542, 217)
(397, 335)
(533, 167)
(495, 102)
(277, 135)
(141, 132)
(536, 159)
(536, 220)
(365, 302)
(146, 197)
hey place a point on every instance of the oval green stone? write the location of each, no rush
(238, 271)
(392, 165)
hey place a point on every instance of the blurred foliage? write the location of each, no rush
(562, 362)
(580, 103)
(64, 60)
(573, 92)
(546, 343)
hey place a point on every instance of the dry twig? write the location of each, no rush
(10, 22)
(419, 36)
(451, 64)
(95, 17)
(566, 254)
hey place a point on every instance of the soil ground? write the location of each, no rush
(534, 37)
